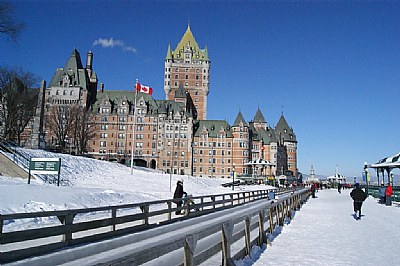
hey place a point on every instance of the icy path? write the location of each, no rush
(324, 232)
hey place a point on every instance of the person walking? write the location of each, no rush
(358, 196)
(388, 193)
(313, 189)
(178, 195)
(339, 188)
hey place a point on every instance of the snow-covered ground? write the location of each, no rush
(93, 183)
(323, 232)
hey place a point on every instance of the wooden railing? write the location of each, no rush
(82, 226)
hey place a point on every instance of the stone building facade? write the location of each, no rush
(171, 135)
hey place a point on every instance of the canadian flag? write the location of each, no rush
(145, 89)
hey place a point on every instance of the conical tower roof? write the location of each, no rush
(239, 118)
(188, 42)
(169, 53)
(259, 117)
(74, 69)
(284, 130)
(187, 38)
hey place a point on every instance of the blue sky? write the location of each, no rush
(333, 68)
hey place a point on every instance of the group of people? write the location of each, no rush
(385, 194)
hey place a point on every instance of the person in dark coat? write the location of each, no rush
(382, 194)
(313, 189)
(358, 196)
(178, 194)
(339, 187)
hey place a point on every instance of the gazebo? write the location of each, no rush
(261, 164)
(386, 164)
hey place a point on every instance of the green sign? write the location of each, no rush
(45, 165)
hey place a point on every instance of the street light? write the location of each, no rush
(233, 176)
(366, 176)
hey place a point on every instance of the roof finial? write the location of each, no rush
(282, 109)
(188, 27)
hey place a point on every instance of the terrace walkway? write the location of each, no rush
(325, 232)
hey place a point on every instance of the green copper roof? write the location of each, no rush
(213, 127)
(267, 136)
(188, 41)
(180, 92)
(114, 97)
(259, 117)
(239, 119)
(169, 53)
(205, 53)
(284, 131)
(74, 69)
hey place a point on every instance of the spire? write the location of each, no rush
(284, 130)
(239, 119)
(205, 54)
(169, 53)
(259, 117)
(282, 124)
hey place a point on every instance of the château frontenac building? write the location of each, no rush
(171, 135)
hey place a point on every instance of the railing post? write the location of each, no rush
(261, 218)
(67, 220)
(271, 221)
(231, 199)
(186, 207)
(213, 201)
(169, 210)
(227, 230)
(1, 224)
(189, 246)
(278, 220)
(145, 211)
(247, 235)
(113, 216)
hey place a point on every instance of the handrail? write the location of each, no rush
(260, 216)
(82, 226)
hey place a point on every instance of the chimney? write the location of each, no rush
(89, 60)
(101, 87)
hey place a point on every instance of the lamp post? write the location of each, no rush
(233, 177)
(366, 176)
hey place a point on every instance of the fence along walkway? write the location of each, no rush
(144, 246)
(81, 226)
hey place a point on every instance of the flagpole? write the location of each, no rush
(133, 126)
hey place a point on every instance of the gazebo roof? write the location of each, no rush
(260, 162)
(388, 162)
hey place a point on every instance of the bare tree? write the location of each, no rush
(84, 130)
(60, 123)
(17, 100)
(7, 24)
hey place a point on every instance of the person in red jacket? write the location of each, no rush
(389, 192)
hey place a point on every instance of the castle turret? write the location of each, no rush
(190, 66)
